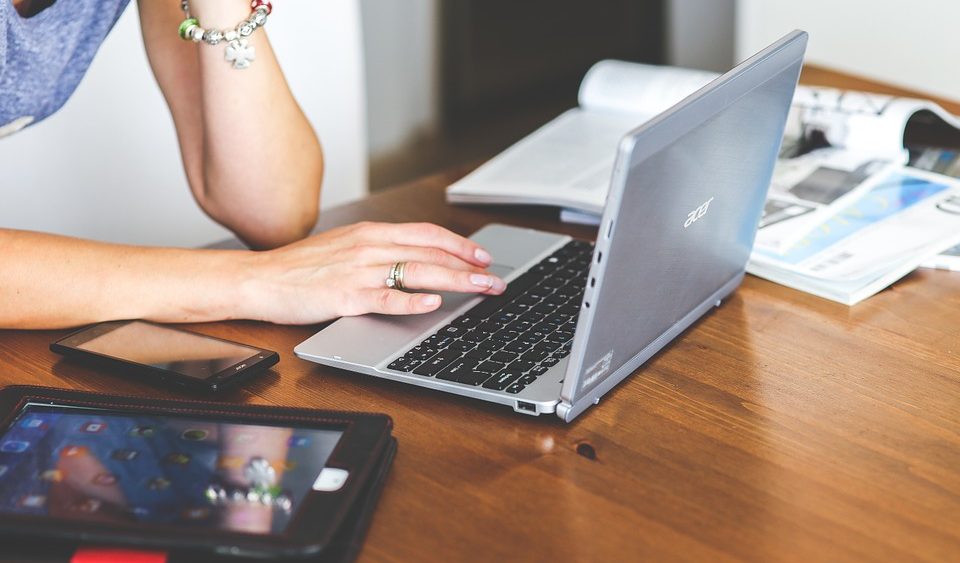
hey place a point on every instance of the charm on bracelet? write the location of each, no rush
(239, 52)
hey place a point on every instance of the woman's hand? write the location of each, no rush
(343, 272)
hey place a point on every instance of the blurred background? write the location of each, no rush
(401, 88)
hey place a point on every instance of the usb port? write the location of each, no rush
(526, 407)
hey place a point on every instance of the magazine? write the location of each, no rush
(861, 248)
(568, 162)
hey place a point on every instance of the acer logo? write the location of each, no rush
(697, 213)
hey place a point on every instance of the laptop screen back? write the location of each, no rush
(682, 215)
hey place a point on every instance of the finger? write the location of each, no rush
(429, 236)
(393, 302)
(391, 254)
(418, 275)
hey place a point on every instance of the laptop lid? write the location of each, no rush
(680, 220)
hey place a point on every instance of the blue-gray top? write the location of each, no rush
(43, 58)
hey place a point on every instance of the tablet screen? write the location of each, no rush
(106, 466)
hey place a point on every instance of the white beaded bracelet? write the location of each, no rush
(238, 51)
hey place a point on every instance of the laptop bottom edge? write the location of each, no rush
(569, 410)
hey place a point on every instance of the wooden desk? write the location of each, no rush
(780, 427)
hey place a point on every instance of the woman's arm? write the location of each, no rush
(49, 281)
(253, 162)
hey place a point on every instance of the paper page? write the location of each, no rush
(861, 121)
(807, 189)
(567, 162)
(618, 86)
(902, 217)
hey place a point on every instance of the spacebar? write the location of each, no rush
(492, 304)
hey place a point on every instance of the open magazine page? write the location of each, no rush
(859, 135)
(618, 86)
(808, 188)
(905, 217)
(864, 122)
(569, 161)
(944, 161)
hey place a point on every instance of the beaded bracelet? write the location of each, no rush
(238, 51)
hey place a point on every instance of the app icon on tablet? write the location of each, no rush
(52, 476)
(33, 424)
(32, 501)
(158, 484)
(298, 441)
(142, 431)
(93, 427)
(73, 451)
(124, 454)
(177, 458)
(14, 447)
(194, 435)
(105, 479)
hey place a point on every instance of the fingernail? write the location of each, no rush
(483, 256)
(498, 285)
(481, 280)
(430, 300)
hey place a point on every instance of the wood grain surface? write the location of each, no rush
(781, 427)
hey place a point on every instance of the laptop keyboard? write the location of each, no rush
(507, 341)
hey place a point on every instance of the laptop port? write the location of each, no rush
(524, 406)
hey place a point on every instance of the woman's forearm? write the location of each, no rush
(252, 159)
(49, 281)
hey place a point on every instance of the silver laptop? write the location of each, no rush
(577, 318)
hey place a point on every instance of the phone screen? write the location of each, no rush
(174, 350)
(176, 471)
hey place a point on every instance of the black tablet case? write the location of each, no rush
(344, 548)
(346, 544)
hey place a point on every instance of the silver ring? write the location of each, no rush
(395, 278)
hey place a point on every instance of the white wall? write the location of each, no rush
(700, 34)
(107, 166)
(402, 70)
(912, 44)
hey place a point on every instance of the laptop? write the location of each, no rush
(577, 317)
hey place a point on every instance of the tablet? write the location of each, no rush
(176, 475)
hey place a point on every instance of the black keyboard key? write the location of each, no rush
(563, 336)
(549, 361)
(489, 346)
(516, 388)
(505, 336)
(534, 355)
(439, 361)
(421, 352)
(539, 370)
(474, 336)
(533, 317)
(527, 379)
(477, 354)
(451, 330)
(400, 364)
(474, 378)
(503, 357)
(521, 365)
(490, 367)
(489, 327)
(555, 300)
(457, 369)
(437, 342)
(563, 352)
(461, 345)
(517, 347)
(502, 380)
(465, 322)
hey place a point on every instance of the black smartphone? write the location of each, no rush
(158, 353)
